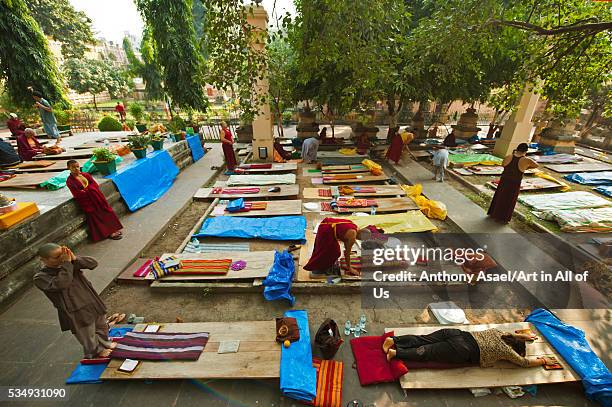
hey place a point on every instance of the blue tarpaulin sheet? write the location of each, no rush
(606, 190)
(86, 374)
(591, 178)
(197, 151)
(146, 180)
(572, 345)
(298, 379)
(272, 228)
(278, 282)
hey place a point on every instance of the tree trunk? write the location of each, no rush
(94, 100)
(588, 126)
(607, 142)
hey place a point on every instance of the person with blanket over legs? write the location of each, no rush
(79, 307)
(327, 251)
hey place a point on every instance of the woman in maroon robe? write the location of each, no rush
(101, 219)
(228, 147)
(507, 192)
(326, 249)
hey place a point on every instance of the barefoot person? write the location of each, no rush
(507, 192)
(454, 346)
(101, 219)
(227, 144)
(326, 249)
(399, 143)
(46, 115)
(79, 308)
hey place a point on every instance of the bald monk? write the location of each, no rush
(399, 143)
(79, 308)
(327, 251)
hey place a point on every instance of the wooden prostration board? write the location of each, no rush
(389, 205)
(66, 155)
(502, 374)
(276, 167)
(380, 190)
(258, 265)
(285, 191)
(27, 180)
(32, 164)
(533, 184)
(580, 167)
(362, 178)
(273, 208)
(343, 169)
(258, 356)
(56, 166)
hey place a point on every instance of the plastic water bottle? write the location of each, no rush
(373, 210)
(106, 143)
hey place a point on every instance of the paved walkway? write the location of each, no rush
(34, 351)
(509, 248)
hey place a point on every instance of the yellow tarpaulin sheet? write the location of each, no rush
(348, 151)
(411, 221)
(544, 175)
(431, 209)
(374, 168)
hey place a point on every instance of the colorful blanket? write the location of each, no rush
(251, 206)
(231, 191)
(325, 192)
(356, 202)
(329, 383)
(563, 200)
(200, 267)
(474, 159)
(255, 166)
(160, 346)
(586, 220)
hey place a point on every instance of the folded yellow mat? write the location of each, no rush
(411, 221)
(24, 210)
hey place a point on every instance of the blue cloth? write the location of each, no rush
(197, 151)
(235, 205)
(278, 282)
(119, 332)
(298, 379)
(591, 178)
(271, 228)
(575, 350)
(606, 190)
(86, 374)
(146, 180)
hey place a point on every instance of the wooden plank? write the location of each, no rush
(127, 276)
(579, 167)
(258, 359)
(32, 164)
(343, 169)
(285, 191)
(27, 180)
(380, 190)
(258, 265)
(491, 170)
(388, 205)
(56, 166)
(360, 178)
(502, 374)
(273, 208)
(533, 184)
(276, 167)
(66, 155)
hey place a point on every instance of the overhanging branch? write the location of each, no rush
(590, 28)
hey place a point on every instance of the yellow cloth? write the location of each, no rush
(543, 175)
(348, 151)
(407, 137)
(411, 221)
(346, 190)
(432, 209)
(374, 168)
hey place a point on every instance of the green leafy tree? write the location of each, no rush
(146, 68)
(172, 30)
(61, 21)
(25, 58)
(281, 76)
(95, 77)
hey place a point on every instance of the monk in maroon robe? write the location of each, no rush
(15, 125)
(28, 145)
(227, 144)
(101, 219)
(326, 249)
(285, 155)
(363, 144)
(399, 142)
(507, 192)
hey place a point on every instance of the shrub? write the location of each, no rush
(287, 117)
(137, 111)
(103, 154)
(138, 142)
(177, 124)
(63, 117)
(109, 124)
(130, 124)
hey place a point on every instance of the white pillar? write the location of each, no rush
(517, 128)
(263, 133)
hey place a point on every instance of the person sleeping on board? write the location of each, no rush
(327, 251)
(455, 346)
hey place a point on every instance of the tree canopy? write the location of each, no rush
(61, 21)
(95, 76)
(25, 58)
(172, 31)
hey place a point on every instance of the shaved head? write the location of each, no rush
(47, 249)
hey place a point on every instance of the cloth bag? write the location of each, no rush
(328, 339)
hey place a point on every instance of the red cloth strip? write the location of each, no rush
(144, 269)
(325, 192)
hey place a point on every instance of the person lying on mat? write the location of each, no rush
(455, 346)
(326, 251)
(102, 221)
(79, 307)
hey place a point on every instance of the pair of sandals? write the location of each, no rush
(117, 236)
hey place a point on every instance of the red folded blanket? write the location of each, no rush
(144, 269)
(325, 192)
(203, 267)
(219, 190)
(255, 166)
(356, 202)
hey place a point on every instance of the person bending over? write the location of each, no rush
(455, 346)
(79, 307)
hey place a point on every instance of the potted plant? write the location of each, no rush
(137, 112)
(138, 144)
(176, 127)
(157, 141)
(104, 160)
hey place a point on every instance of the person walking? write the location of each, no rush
(46, 115)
